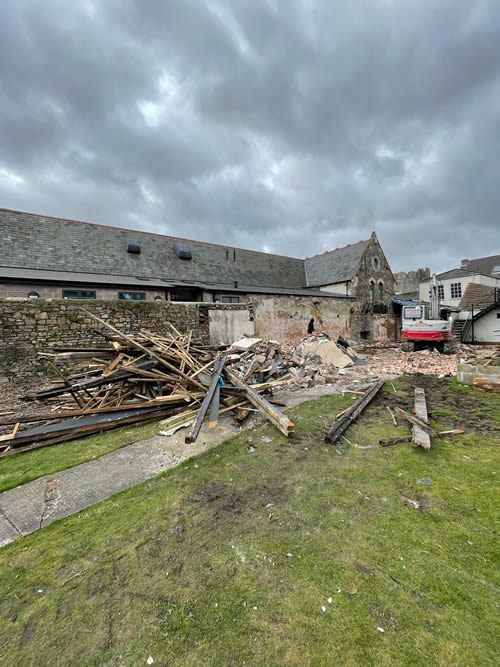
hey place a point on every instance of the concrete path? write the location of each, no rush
(29, 507)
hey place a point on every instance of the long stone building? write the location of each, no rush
(349, 289)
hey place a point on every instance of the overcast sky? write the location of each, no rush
(291, 126)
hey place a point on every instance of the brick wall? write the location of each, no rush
(37, 325)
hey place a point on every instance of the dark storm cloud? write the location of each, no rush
(291, 127)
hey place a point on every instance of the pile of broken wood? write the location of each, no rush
(136, 379)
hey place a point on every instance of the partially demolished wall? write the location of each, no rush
(285, 318)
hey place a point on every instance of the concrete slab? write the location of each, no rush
(31, 506)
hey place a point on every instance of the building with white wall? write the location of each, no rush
(452, 284)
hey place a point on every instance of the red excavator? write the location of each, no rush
(423, 327)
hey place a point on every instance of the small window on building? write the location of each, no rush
(381, 291)
(132, 296)
(230, 299)
(376, 263)
(133, 246)
(372, 290)
(364, 335)
(498, 316)
(78, 294)
(456, 290)
(441, 291)
(183, 251)
(158, 298)
(33, 295)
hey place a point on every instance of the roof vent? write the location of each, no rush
(235, 282)
(183, 251)
(133, 246)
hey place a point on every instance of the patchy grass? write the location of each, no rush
(230, 558)
(24, 467)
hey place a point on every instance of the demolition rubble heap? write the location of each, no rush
(134, 379)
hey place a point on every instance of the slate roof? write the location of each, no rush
(452, 273)
(335, 266)
(38, 242)
(484, 264)
(477, 295)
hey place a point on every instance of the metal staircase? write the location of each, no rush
(464, 326)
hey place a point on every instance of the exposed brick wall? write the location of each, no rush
(36, 325)
(286, 318)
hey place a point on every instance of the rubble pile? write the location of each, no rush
(315, 359)
(391, 362)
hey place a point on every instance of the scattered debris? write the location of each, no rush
(425, 480)
(491, 384)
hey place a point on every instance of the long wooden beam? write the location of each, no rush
(416, 421)
(353, 413)
(195, 428)
(280, 420)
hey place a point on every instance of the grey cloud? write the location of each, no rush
(292, 127)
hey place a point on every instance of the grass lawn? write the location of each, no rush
(297, 554)
(20, 468)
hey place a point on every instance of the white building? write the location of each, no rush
(452, 284)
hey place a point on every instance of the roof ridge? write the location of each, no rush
(349, 245)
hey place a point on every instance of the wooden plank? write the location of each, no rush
(387, 442)
(420, 436)
(280, 420)
(353, 413)
(418, 422)
(195, 428)
(214, 408)
(392, 416)
(137, 345)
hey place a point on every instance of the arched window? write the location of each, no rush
(381, 290)
(33, 295)
(372, 290)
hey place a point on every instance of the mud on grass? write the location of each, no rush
(231, 557)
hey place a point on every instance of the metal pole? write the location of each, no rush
(472, 321)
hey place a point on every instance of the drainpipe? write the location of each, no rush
(472, 321)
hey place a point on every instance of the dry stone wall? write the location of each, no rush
(37, 325)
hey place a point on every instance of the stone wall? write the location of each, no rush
(408, 281)
(374, 267)
(286, 318)
(29, 326)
